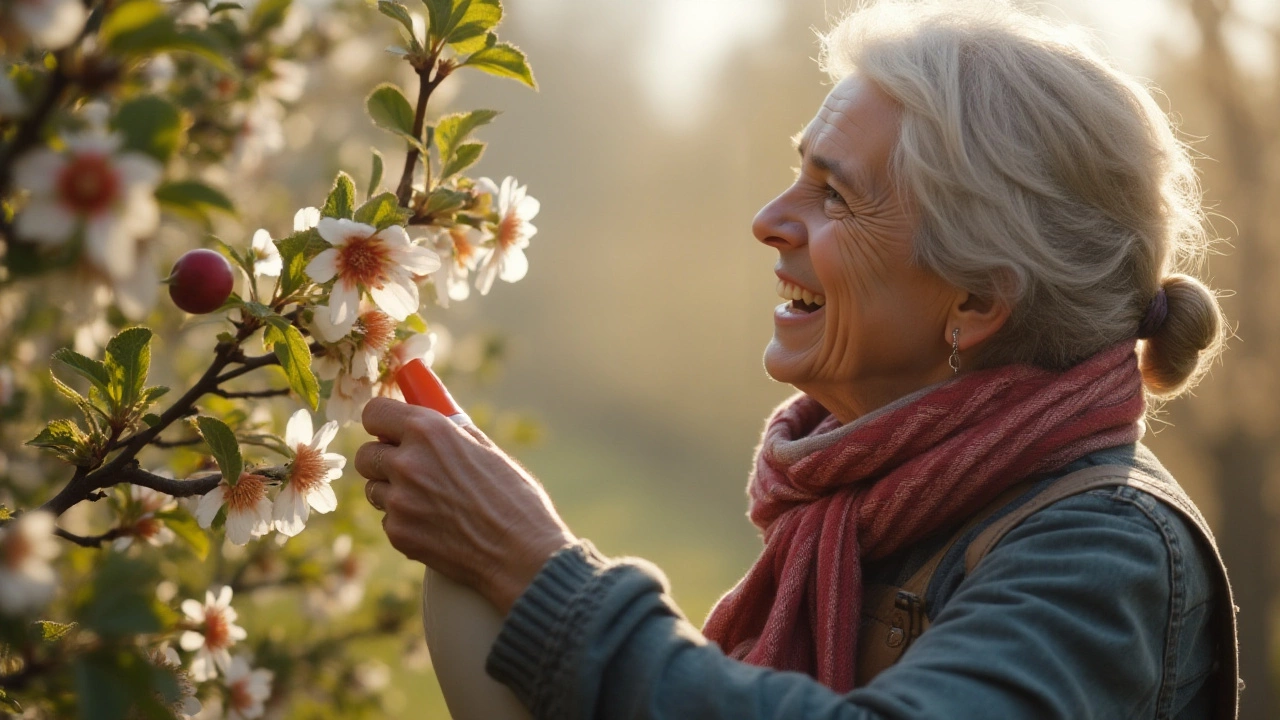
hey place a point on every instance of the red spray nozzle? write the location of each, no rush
(421, 386)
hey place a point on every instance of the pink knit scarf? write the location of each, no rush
(829, 496)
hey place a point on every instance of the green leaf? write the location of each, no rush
(465, 157)
(9, 702)
(397, 12)
(451, 130)
(193, 200)
(65, 439)
(185, 527)
(258, 310)
(150, 125)
(90, 411)
(390, 110)
(93, 370)
(295, 358)
(268, 14)
(51, 631)
(151, 395)
(480, 17)
(381, 212)
(143, 28)
(438, 14)
(296, 251)
(342, 198)
(225, 6)
(443, 200)
(222, 444)
(128, 360)
(504, 60)
(375, 177)
(151, 419)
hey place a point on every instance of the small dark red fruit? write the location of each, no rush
(201, 281)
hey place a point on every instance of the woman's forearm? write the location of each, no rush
(594, 639)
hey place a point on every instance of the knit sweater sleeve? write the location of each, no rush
(595, 638)
(1093, 630)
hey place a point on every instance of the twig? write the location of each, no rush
(426, 85)
(273, 392)
(248, 365)
(184, 442)
(89, 541)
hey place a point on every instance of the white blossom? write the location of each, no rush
(95, 186)
(504, 258)
(310, 473)
(248, 508)
(362, 259)
(249, 690)
(52, 24)
(216, 633)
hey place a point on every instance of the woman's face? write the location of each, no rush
(843, 233)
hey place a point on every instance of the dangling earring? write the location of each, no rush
(954, 360)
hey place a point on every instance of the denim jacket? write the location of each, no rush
(1098, 606)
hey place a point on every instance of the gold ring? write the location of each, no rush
(368, 495)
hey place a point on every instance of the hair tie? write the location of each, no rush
(1157, 311)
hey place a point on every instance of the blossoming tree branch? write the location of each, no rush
(113, 118)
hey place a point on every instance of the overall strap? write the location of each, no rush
(1101, 476)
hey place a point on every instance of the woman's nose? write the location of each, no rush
(777, 224)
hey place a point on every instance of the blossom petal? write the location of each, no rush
(306, 218)
(110, 246)
(209, 505)
(290, 511)
(324, 327)
(193, 610)
(338, 230)
(488, 271)
(324, 436)
(417, 259)
(344, 305)
(514, 266)
(394, 237)
(38, 171)
(528, 208)
(191, 640)
(398, 297)
(298, 431)
(45, 221)
(324, 266)
(241, 526)
(138, 169)
(224, 600)
(322, 498)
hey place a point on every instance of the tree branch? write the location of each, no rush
(89, 541)
(426, 86)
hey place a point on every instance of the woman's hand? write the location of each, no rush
(456, 502)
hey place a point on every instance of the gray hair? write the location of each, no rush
(1041, 175)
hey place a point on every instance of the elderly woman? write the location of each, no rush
(980, 258)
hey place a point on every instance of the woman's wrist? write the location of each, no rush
(512, 578)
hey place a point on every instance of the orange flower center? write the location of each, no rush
(308, 468)
(217, 630)
(88, 184)
(509, 229)
(246, 493)
(15, 549)
(463, 250)
(240, 697)
(364, 260)
(146, 528)
(377, 328)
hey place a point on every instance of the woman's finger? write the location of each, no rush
(371, 460)
(386, 419)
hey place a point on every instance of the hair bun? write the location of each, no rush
(1177, 351)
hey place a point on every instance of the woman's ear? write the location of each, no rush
(978, 317)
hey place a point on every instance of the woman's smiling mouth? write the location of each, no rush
(802, 300)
